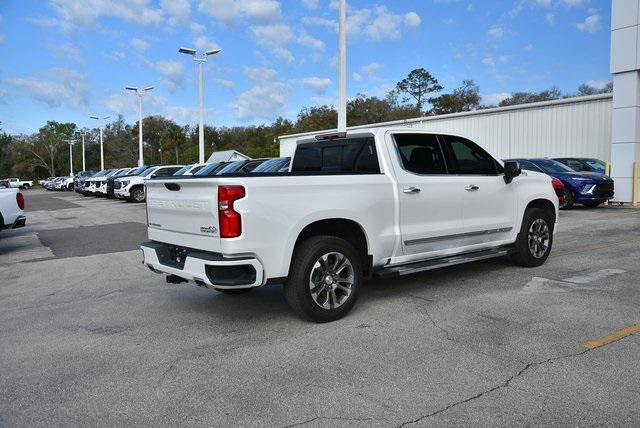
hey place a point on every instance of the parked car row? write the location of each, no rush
(15, 183)
(576, 180)
(129, 183)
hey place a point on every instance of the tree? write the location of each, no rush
(531, 97)
(465, 98)
(5, 152)
(417, 85)
(47, 144)
(586, 89)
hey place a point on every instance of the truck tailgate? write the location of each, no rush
(184, 211)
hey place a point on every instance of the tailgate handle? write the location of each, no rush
(172, 186)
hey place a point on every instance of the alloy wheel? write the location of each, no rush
(331, 280)
(538, 238)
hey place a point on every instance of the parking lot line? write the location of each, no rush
(617, 335)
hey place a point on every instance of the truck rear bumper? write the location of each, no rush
(212, 270)
(19, 222)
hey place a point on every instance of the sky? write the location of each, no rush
(65, 60)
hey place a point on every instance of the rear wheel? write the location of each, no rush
(567, 202)
(535, 239)
(137, 194)
(325, 276)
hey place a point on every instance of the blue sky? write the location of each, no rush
(67, 59)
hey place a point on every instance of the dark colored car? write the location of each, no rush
(110, 180)
(273, 165)
(78, 180)
(241, 166)
(587, 188)
(583, 164)
(211, 169)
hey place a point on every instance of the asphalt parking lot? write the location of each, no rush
(88, 336)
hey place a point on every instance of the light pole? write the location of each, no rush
(140, 92)
(342, 69)
(100, 119)
(200, 60)
(70, 156)
(84, 166)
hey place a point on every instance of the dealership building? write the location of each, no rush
(606, 126)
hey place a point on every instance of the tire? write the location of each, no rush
(536, 234)
(568, 200)
(234, 290)
(592, 204)
(26, 187)
(308, 267)
(137, 194)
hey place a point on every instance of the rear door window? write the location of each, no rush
(421, 154)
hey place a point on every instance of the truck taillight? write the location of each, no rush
(20, 200)
(230, 220)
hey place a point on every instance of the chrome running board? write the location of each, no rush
(457, 259)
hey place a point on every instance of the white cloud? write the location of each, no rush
(230, 10)
(173, 72)
(317, 84)
(126, 103)
(310, 4)
(412, 19)
(284, 55)
(203, 43)
(551, 18)
(66, 51)
(591, 24)
(496, 31)
(139, 45)
(65, 88)
(263, 101)
(270, 35)
(229, 84)
(495, 99)
(197, 28)
(187, 115)
(356, 76)
(73, 13)
(260, 74)
(375, 24)
(306, 40)
(178, 10)
(372, 68)
(598, 84)
(575, 3)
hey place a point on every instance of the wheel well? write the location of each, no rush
(544, 204)
(342, 228)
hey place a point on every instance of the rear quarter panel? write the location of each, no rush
(8, 205)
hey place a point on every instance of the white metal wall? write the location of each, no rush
(571, 127)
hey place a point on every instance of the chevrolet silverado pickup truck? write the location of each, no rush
(11, 209)
(132, 188)
(16, 183)
(366, 203)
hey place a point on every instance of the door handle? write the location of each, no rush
(410, 190)
(472, 188)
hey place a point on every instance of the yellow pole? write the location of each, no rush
(607, 171)
(635, 184)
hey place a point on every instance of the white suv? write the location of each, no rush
(132, 188)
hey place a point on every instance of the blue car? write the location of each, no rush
(587, 188)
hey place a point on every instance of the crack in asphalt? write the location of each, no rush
(504, 384)
(446, 333)
(330, 418)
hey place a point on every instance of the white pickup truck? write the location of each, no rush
(11, 209)
(16, 183)
(376, 202)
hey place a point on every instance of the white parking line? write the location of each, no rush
(539, 285)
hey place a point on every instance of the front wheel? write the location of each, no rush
(325, 276)
(535, 239)
(137, 194)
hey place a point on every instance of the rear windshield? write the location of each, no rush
(182, 170)
(351, 156)
(209, 169)
(232, 167)
(550, 165)
(273, 165)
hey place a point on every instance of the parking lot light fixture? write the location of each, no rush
(100, 120)
(200, 61)
(140, 92)
(70, 142)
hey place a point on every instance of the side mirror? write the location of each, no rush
(511, 170)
